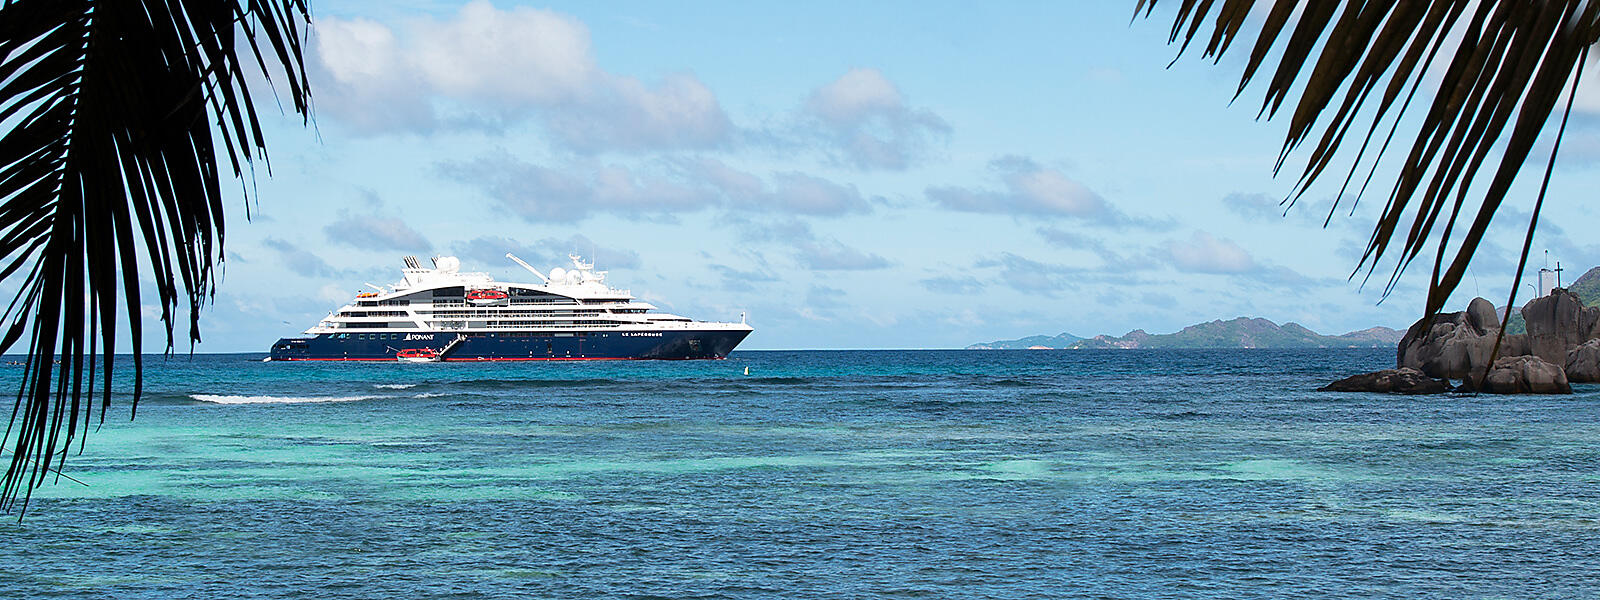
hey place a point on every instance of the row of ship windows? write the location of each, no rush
(491, 324)
(545, 323)
(401, 336)
(502, 313)
(514, 302)
(466, 314)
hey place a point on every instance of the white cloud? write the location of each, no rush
(1031, 189)
(863, 115)
(790, 192)
(334, 294)
(576, 190)
(356, 50)
(736, 280)
(485, 64)
(551, 252)
(1204, 253)
(826, 297)
(1112, 259)
(833, 255)
(375, 233)
(1027, 275)
(300, 260)
(627, 115)
(805, 194)
(542, 194)
(1048, 191)
(605, 257)
(491, 250)
(362, 79)
(856, 96)
(951, 284)
(1259, 207)
(516, 56)
(812, 251)
(1305, 212)
(738, 186)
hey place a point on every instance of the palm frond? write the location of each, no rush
(1490, 74)
(110, 167)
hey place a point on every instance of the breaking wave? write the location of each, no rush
(219, 399)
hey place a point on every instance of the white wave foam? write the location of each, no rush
(429, 395)
(218, 399)
(394, 386)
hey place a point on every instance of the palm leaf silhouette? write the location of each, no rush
(110, 167)
(1486, 75)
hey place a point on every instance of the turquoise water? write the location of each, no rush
(931, 474)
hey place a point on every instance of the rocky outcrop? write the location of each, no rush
(1515, 345)
(1455, 346)
(1481, 315)
(1524, 375)
(1583, 363)
(1391, 381)
(1557, 323)
(1562, 345)
(1458, 345)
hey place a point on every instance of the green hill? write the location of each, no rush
(1587, 287)
(1061, 340)
(1242, 332)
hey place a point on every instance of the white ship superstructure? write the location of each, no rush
(570, 314)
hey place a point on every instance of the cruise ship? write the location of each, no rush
(443, 314)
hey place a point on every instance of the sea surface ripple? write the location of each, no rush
(930, 474)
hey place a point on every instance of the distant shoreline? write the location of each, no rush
(178, 356)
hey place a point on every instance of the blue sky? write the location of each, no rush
(849, 175)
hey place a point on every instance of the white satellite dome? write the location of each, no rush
(447, 264)
(558, 275)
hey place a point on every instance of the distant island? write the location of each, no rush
(1243, 332)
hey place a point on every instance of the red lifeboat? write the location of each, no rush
(486, 295)
(417, 355)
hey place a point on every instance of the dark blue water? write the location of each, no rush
(925, 474)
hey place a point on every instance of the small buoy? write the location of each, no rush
(747, 370)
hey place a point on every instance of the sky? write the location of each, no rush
(843, 175)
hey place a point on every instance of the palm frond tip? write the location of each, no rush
(1490, 75)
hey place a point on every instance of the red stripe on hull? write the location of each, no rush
(469, 360)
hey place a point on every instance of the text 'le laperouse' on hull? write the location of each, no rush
(443, 314)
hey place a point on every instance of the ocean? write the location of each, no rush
(820, 474)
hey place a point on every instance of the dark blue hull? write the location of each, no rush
(614, 345)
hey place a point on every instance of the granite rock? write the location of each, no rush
(1482, 316)
(1583, 362)
(1557, 323)
(1524, 375)
(1454, 346)
(1404, 380)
